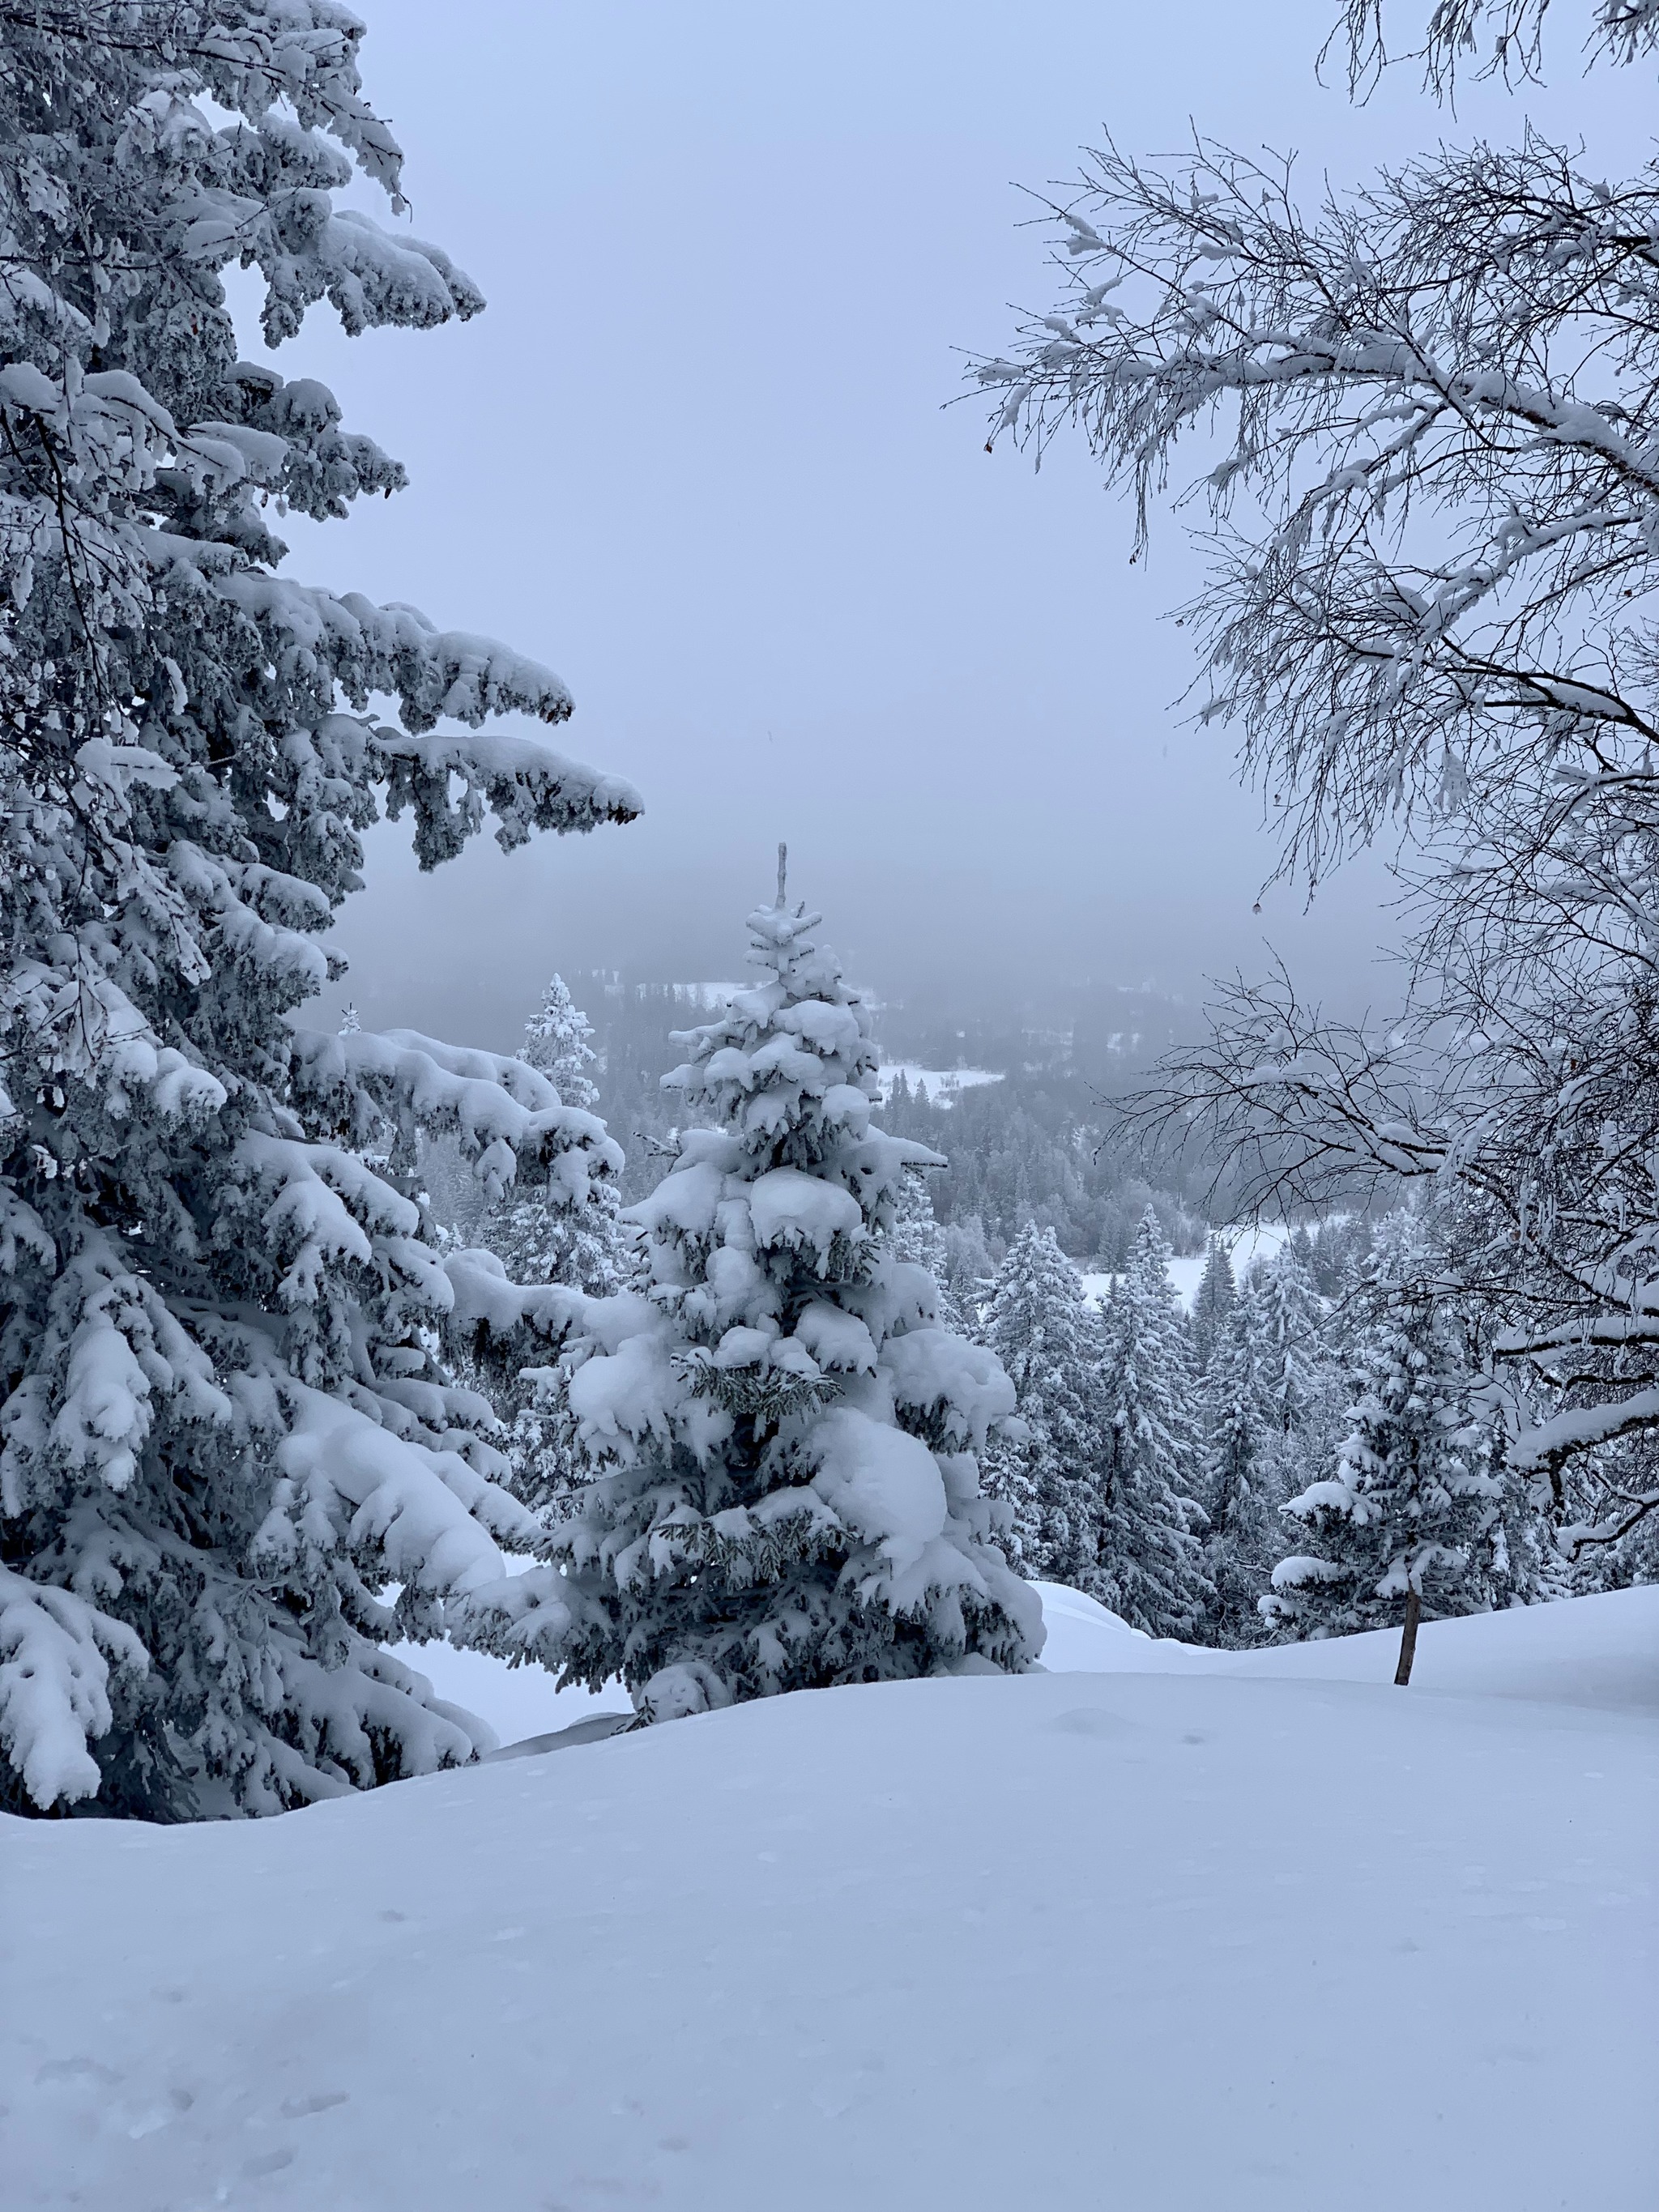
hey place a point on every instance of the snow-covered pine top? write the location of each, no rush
(775, 1221)
(556, 1040)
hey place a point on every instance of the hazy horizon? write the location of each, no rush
(696, 456)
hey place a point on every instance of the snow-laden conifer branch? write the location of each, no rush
(225, 1420)
(527, 785)
(55, 1650)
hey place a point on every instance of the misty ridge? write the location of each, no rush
(1019, 1107)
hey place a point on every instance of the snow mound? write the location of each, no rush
(1083, 1636)
(1230, 1930)
(1599, 1651)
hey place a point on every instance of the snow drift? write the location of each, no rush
(1186, 1929)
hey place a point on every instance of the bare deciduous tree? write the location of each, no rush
(1417, 429)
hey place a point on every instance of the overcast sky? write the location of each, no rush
(694, 457)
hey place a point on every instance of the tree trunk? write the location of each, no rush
(1402, 1673)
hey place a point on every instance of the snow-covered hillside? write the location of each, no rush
(1189, 1930)
(1259, 1241)
(1599, 1651)
(944, 1084)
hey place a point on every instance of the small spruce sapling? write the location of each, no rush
(780, 1438)
(1401, 1526)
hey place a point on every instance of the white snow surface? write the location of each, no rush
(1172, 1930)
(944, 1084)
(1588, 1651)
(1186, 1268)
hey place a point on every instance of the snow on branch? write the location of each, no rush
(368, 276)
(1512, 32)
(122, 1356)
(489, 1308)
(414, 1511)
(1419, 417)
(395, 649)
(1301, 1110)
(502, 1112)
(303, 52)
(55, 1655)
(1582, 1427)
(526, 785)
(81, 1022)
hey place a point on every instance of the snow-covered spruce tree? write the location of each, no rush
(557, 1041)
(1048, 1338)
(539, 1235)
(222, 1426)
(1242, 1540)
(1300, 1394)
(919, 1238)
(1403, 1526)
(969, 1263)
(1293, 1368)
(539, 1238)
(1213, 1303)
(784, 1491)
(1230, 1334)
(1147, 1565)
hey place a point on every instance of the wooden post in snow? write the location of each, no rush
(1402, 1673)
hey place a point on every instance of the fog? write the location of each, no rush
(696, 456)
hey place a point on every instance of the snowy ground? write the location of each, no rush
(943, 1083)
(1600, 1652)
(1189, 1931)
(1186, 1268)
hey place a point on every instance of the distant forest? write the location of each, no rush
(1027, 1148)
